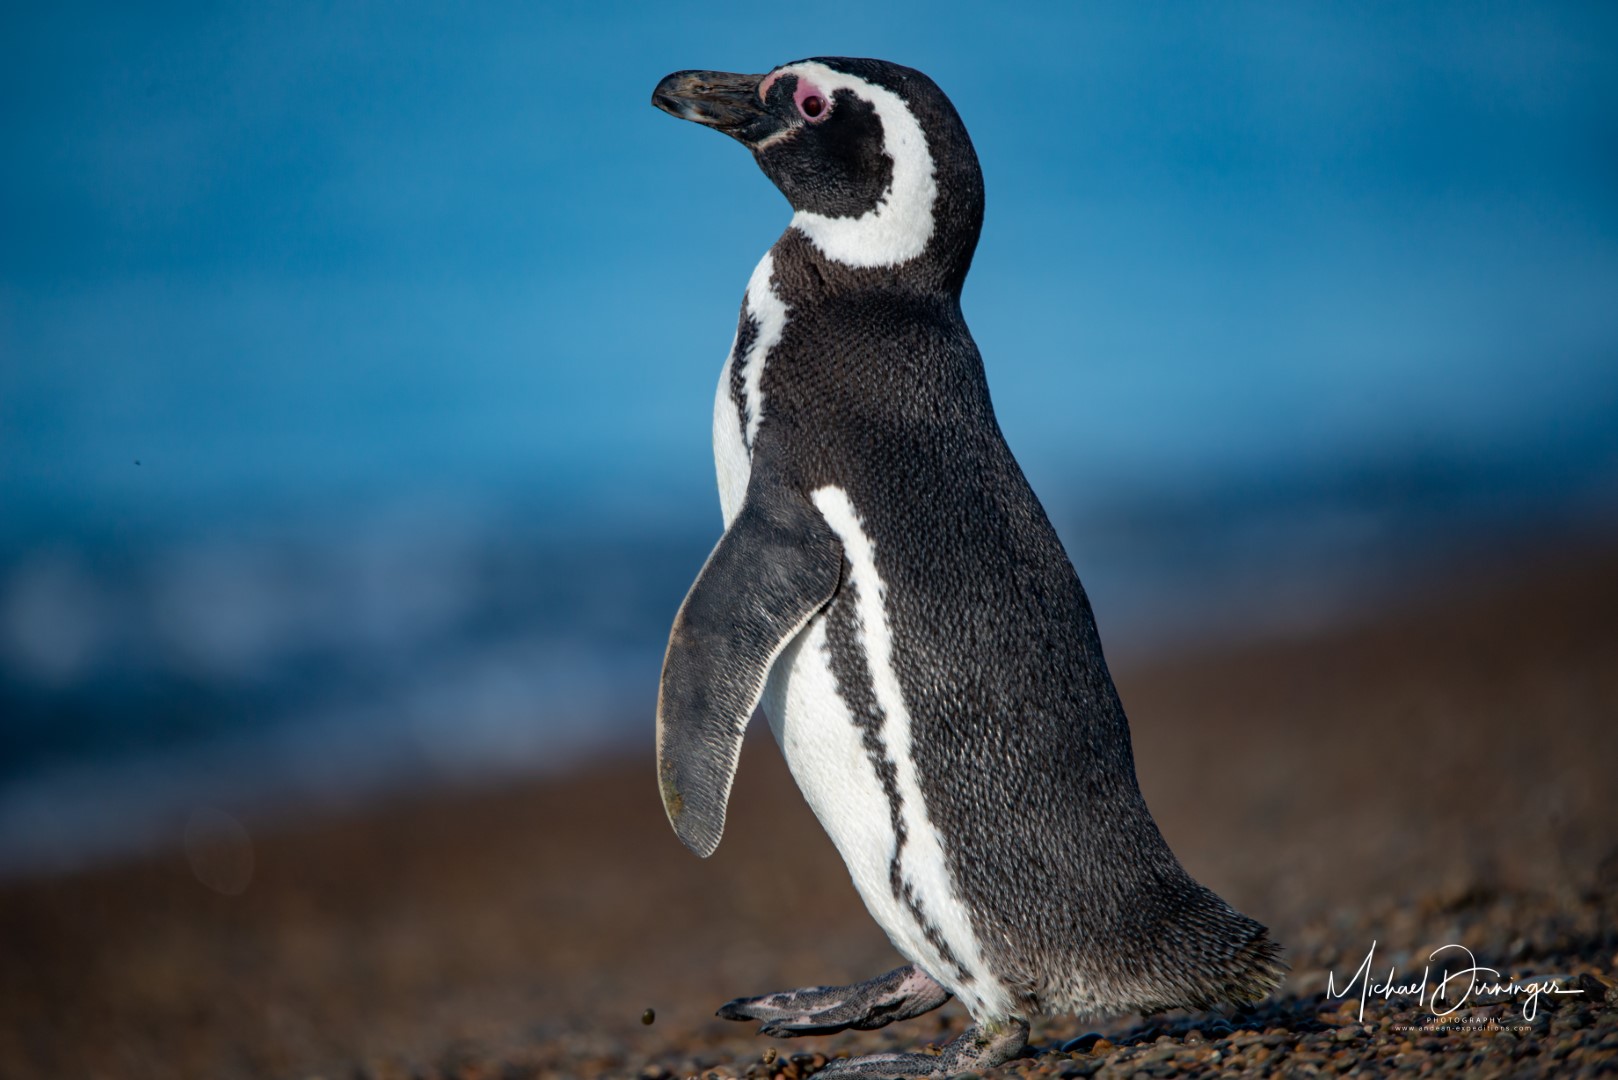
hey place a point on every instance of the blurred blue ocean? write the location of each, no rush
(356, 364)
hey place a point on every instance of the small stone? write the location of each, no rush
(1194, 1036)
(1083, 1044)
(1347, 1032)
(769, 1055)
(1074, 1070)
(1103, 1046)
(1598, 989)
(648, 1017)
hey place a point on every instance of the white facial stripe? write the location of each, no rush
(767, 309)
(780, 135)
(922, 861)
(901, 224)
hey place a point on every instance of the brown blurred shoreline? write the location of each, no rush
(1443, 772)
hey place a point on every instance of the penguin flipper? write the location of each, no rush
(776, 566)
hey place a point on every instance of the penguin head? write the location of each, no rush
(872, 156)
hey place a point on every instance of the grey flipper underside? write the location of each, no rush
(776, 566)
(820, 1010)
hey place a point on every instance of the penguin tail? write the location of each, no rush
(1255, 969)
(1209, 954)
(1172, 945)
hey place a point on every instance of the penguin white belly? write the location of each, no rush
(733, 464)
(836, 770)
(824, 749)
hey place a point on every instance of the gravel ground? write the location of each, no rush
(1441, 775)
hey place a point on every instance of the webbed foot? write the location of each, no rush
(977, 1048)
(820, 1010)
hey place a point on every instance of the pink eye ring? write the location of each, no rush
(813, 103)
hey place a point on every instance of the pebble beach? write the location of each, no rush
(1441, 775)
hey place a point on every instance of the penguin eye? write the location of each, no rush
(813, 103)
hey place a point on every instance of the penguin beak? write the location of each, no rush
(716, 99)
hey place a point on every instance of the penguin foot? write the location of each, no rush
(819, 1010)
(979, 1047)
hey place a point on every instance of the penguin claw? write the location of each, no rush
(977, 1048)
(820, 1010)
(783, 1029)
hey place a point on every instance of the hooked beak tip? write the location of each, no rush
(717, 99)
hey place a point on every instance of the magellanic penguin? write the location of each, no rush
(891, 591)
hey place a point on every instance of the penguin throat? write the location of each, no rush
(900, 226)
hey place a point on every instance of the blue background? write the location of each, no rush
(356, 363)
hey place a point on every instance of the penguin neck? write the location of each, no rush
(807, 271)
